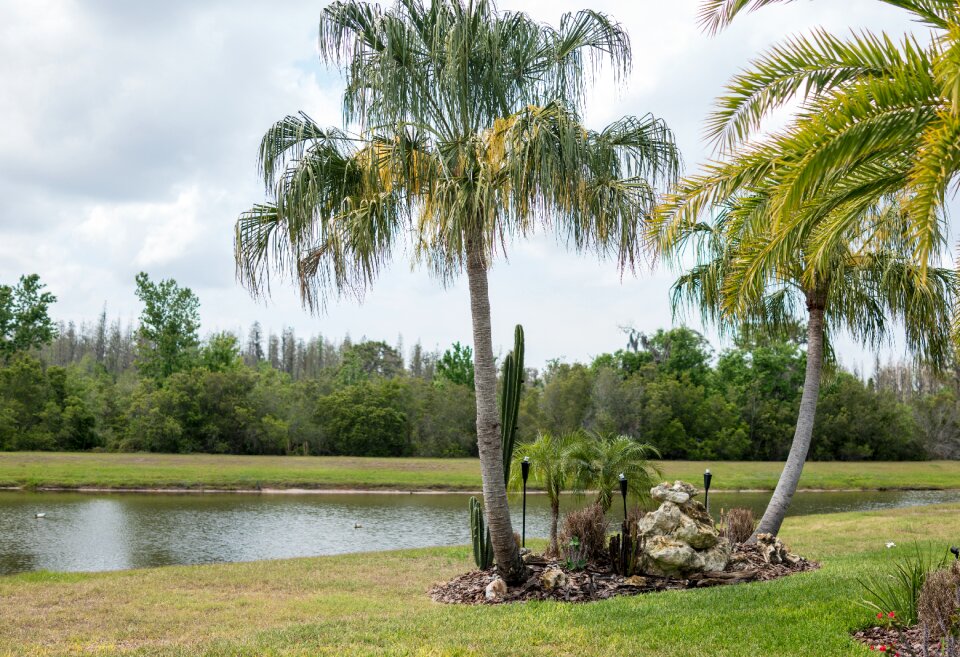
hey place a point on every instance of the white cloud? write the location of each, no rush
(130, 139)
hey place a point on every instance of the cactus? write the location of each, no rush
(482, 549)
(509, 409)
(510, 399)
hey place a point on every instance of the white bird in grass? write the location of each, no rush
(891, 544)
(39, 515)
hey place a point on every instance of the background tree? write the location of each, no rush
(368, 359)
(24, 320)
(456, 365)
(167, 338)
(470, 133)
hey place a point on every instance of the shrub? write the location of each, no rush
(589, 527)
(738, 524)
(899, 591)
(939, 601)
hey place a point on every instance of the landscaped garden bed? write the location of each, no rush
(677, 546)
(550, 579)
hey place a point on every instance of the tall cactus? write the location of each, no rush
(509, 410)
(510, 399)
(482, 549)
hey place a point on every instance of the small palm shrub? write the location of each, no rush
(899, 589)
(939, 602)
(589, 527)
(737, 524)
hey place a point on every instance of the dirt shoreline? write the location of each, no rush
(174, 490)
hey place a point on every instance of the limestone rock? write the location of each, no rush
(662, 521)
(636, 580)
(667, 557)
(774, 551)
(697, 535)
(717, 557)
(680, 538)
(679, 493)
(495, 589)
(553, 578)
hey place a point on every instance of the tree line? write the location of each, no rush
(157, 386)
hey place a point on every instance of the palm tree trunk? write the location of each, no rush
(509, 565)
(790, 477)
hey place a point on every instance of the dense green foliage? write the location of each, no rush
(327, 398)
(87, 389)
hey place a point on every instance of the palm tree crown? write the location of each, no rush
(600, 459)
(465, 132)
(468, 133)
(879, 117)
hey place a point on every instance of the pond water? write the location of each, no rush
(89, 532)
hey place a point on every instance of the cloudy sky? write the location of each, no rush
(130, 132)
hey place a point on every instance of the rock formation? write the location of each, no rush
(774, 551)
(679, 538)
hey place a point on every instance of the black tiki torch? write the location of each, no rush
(524, 472)
(623, 493)
(707, 477)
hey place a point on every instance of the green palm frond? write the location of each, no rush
(715, 15)
(468, 135)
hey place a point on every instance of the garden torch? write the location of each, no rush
(706, 488)
(524, 472)
(623, 493)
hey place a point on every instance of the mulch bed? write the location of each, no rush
(598, 582)
(905, 642)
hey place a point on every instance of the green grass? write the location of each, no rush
(375, 604)
(73, 470)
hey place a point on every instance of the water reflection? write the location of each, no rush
(84, 532)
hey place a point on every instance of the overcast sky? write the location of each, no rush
(129, 141)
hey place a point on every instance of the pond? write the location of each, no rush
(90, 532)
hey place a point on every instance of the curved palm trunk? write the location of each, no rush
(509, 565)
(790, 477)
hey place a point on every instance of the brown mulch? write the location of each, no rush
(598, 582)
(905, 641)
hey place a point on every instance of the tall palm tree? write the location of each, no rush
(870, 282)
(465, 134)
(879, 116)
(600, 459)
(552, 467)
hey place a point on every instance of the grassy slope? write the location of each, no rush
(374, 604)
(237, 472)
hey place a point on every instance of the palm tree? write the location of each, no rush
(600, 459)
(466, 134)
(552, 467)
(878, 117)
(870, 281)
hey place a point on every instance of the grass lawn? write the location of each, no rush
(40, 469)
(374, 604)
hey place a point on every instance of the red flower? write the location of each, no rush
(891, 615)
(879, 614)
(883, 649)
